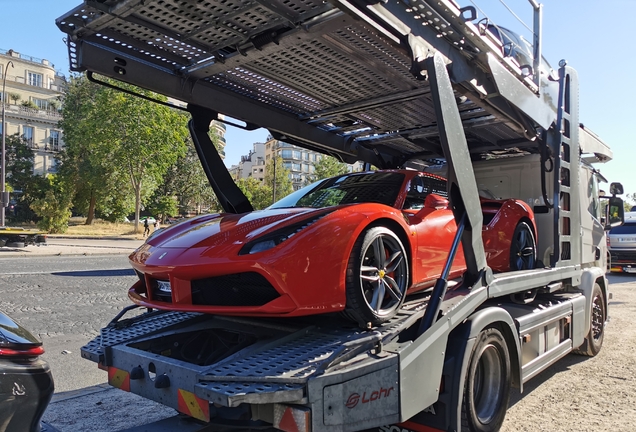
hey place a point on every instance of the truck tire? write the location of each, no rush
(487, 383)
(598, 312)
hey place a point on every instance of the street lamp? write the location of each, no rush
(4, 195)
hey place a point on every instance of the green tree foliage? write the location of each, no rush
(117, 145)
(277, 179)
(186, 181)
(20, 179)
(85, 162)
(328, 166)
(54, 207)
(629, 201)
(259, 195)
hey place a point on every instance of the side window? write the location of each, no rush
(419, 188)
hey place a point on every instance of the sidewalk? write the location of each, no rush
(76, 246)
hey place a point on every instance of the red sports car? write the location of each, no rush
(357, 243)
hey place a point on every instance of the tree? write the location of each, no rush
(328, 166)
(119, 141)
(15, 97)
(277, 179)
(85, 162)
(630, 199)
(54, 207)
(259, 195)
(20, 179)
(187, 181)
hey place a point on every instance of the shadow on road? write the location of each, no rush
(95, 273)
(560, 366)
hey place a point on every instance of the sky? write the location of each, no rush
(591, 37)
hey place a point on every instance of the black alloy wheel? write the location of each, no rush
(523, 248)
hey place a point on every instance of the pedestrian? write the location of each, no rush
(155, 225)
(146, 227)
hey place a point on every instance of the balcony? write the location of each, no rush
(21, 111)
(22, 80)
(52, 148)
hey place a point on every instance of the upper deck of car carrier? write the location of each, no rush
(342, 77)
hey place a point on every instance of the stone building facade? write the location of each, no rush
(32, 102)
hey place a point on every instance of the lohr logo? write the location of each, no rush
(354, 398)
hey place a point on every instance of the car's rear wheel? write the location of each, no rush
(523, 248)
(377, 277)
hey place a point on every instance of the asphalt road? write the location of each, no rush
(64, 294)
(65, 300)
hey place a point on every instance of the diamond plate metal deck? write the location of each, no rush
(121, 332)
(306, 61)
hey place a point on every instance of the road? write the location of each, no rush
(66, 299)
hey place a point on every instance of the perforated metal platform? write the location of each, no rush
(327, 77)
(125, 331)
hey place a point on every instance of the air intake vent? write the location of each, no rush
(241, 289)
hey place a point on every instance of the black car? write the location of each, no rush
(26, 383)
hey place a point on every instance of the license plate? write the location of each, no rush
(627, 239)
(629, 269)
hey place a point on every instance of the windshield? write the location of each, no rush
(371, 187)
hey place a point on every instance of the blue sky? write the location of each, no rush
(592, 38)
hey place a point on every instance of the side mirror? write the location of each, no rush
(615, 212)
(435, 201)
(616, 189)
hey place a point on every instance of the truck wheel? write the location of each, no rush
(594, 339)
(523, 248)
(487, 383)
(377, 277)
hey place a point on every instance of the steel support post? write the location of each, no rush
(462, 188)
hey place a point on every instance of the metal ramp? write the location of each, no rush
(344, 78)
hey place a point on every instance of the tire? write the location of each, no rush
(487, 383)
(375, 289)
(594, 339)
(16, 244)
(523, 248)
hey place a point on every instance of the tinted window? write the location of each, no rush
(380, 188)
(626, 228)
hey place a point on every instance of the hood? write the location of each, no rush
(213, 230)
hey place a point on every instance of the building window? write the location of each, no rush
(287, 154)
(305, 168)
(296, 154)
(27, 134)
(295, 167)
(287, 165)
(54, 140)
(40, 103)
(35, 79)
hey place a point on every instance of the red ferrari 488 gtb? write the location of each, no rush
(357, 243)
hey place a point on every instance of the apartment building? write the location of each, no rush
(251, 165)
(299, 161)
(32, 103)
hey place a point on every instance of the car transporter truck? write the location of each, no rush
(400, 83)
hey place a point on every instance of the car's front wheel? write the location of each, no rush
(377, 277)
